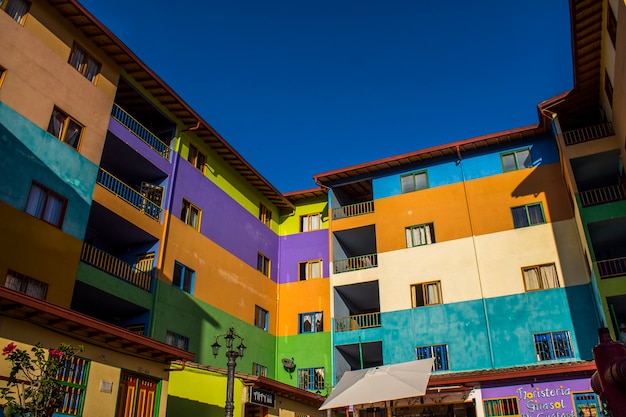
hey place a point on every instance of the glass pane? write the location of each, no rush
(316, 270)
(508, 162)
(193, 217)
(13, 282)
(536, 214)
(315, 222)
(531, 279)
(92, 70)
(421, 181)
(72, 135)
(304, 223)
(57, 122)
(17, 9)
(519, 217)
(523, 159)
(407, 183)
(188, 280)
(36, 200)
(319, 322)
(178, 274)
(54, 207)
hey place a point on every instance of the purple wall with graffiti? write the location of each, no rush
(302, 247)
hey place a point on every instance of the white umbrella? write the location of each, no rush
(382, 383)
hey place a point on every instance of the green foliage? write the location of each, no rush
(32, 389)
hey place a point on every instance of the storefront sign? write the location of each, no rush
(264, 398)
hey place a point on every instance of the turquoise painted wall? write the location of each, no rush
(475, 165)
(31, 154)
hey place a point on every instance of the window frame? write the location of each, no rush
(308, 219)
(185, 272)
(265, 215)
(528, 215)
(309, 378)
(518, 165)
(185, 214)
(66, 122)
(611, 25)
(196, 157)
(22, 18)
(314, 322)
(441, 363)
(608, 88)
(425, 298)
(308, 267)
(48, 193)
(500, 407)
(541, 283)
(414, 175)
(261, 318)
(263, 264)
(258, 369)
(73, 378)
(83, 66)
(429, 234)
(25, 284)
(552, 348)
(177, 340)
(3, 72)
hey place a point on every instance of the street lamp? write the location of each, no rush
(232, 354)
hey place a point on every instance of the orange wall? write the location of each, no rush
(302, 297)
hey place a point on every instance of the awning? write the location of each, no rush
(382, 383)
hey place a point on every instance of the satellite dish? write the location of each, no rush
(289, 364)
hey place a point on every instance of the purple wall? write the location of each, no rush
(223, 220)
(302, 247)
(542, 399)
(139, 145)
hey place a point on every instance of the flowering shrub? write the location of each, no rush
(32, 389)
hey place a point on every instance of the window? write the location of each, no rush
(137, 393)
(84, 63)
(26, 285)
(177, 340)
(421, 234)
(139, 329)
(520, 159)
(310, 270)
(414, 182)
(190, 214)
(426, 294)
(17, 9)
(2, 74)
(608, 87)
(553, 345)
(261, 318)
(439, 352)
(46, 205)
(265, 215)
(528, 215)
(611, 24)
(197, 158)
(183, 277)
(310, 222)
(64, 128)
(73, 380)
(263, 264)
(259, 370)
(311, 322)
(311, 378)
(501, 407)
(540, 277)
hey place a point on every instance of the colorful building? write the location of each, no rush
(129, 220)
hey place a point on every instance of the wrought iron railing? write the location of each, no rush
(128, 194)
(356, 322)
(140, 131)
(352, 210)
(612, 268)
(602, 195)
(114, 266)
(588, 133)
(356, 263)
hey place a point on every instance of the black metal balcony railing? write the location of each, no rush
(603, 195)
(588, 133)
(110, 264)
(141, 132)
(612, 268)
(356, 263)
(352, 210)
(357, 322)
(128, 194)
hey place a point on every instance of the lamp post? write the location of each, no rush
(232, 354)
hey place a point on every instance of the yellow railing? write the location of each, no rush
(356, 322)
(356, 263)
(352, 210)
(116, 267)
(588, 133)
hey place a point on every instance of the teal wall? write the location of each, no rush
(29, 154)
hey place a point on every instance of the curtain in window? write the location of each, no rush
(306, 323)
(315, 222)
(36, 289)
(549, 278)
(535, 214)
(93, 68)
(319, 378)
(72, 135)
(52, 213)
(78, 58)
(531, 279)
(319, 322)
(17, 9)
(36, 201)
(193, 217)
(56, 124)
(13, 282)
(315, 270)
(520, 218)
(432, 293)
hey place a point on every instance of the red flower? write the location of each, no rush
(8, 349)
(56, 354)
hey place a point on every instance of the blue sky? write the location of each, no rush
(304, 87)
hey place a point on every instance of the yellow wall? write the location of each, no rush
(302, 297)
(290, 224)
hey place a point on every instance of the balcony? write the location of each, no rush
(352, 210)
(103, 261)
(357, 322)
(589, 133)
(140, 131)
(356, 263)
(612, 268)
(138, 200)
(603, 195)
